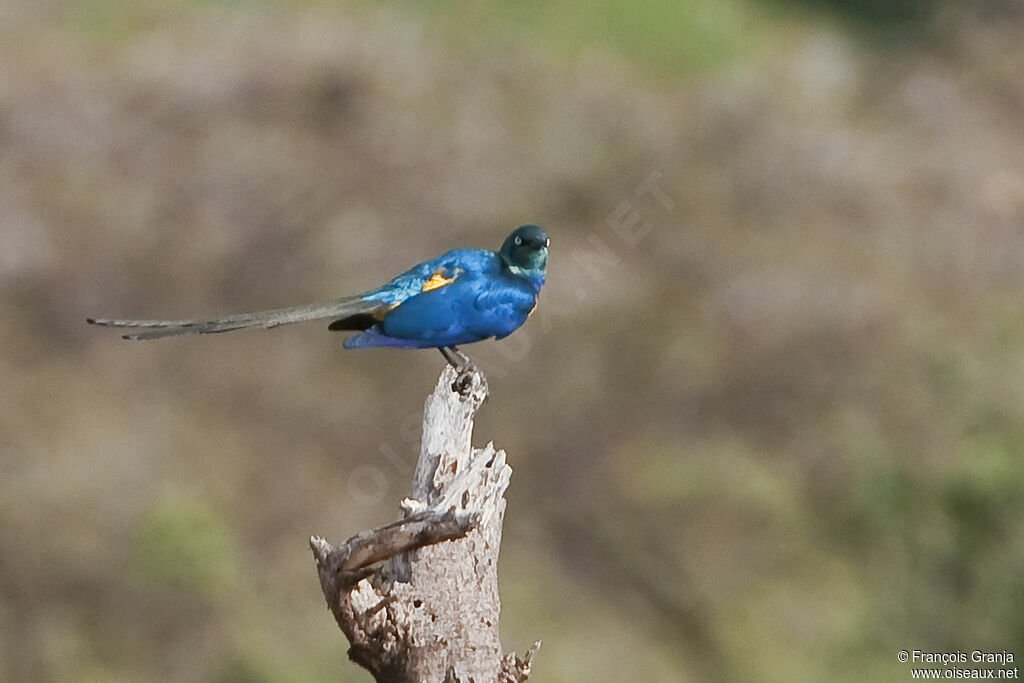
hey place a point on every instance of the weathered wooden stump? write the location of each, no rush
(418, 598)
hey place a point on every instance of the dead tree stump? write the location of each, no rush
(418, 598)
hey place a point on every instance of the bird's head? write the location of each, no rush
(525, 252)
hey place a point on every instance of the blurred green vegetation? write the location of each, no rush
(777, 438)
(184, 543)
(665, 37)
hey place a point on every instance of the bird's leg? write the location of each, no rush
(464, 365)
(450, 357)
(466, 361)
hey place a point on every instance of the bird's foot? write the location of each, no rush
(470, 381)
(463, 383)
(466, 369)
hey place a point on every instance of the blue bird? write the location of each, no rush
(461, 297)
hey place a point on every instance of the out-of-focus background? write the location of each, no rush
(767, 424)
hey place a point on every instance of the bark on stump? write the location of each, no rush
(429, 613)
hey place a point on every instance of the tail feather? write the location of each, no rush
(155, 329)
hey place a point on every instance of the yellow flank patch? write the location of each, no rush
(436, 281)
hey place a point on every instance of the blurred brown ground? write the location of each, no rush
(776, 437)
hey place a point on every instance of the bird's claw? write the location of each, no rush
(468, 380)
(463, 384)
(466, 369)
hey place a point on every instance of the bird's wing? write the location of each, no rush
(471, 308)
(422, 279)
(155, 329)
(434, 274)
(434, 313)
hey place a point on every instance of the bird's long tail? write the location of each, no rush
(155, 329)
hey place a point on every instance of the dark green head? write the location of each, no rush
(525, 252)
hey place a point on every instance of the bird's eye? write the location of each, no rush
(519, 240)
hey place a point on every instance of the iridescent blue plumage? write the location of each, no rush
(460, 297)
